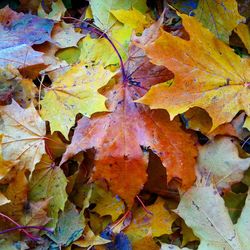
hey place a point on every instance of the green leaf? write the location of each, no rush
(69, 227)
(101, 10)
(49, 181)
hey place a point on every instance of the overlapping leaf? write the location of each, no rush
(220, 17)
(208, 74)
(71, 94)
(23, 135)
(119, 135)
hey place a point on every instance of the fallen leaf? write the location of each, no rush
(119, 158)
(23, 30)
(14, 86)
(247, 123)
(58, 10)
(3, 199)
(204, 211)
(23, 135)
(17, 193)
(207, 74)
(220, 17)
(243, 32)
(220, 160)
(36, 213)
(133, 18)
(69, 227)
(150, 225)
(106, 203)
(71, 94)
(234, 203)
(101, 10)
(100, 50)
(42, 187)
(5, 166)
(90, 239)
(64, 35)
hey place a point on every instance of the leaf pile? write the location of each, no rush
(125, 125)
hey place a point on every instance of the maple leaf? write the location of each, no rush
(23, 30)
(90, 239)
(117, 137)
(12, 85)
(156, 224)
(42, 187)
(36, 214)
(64, 35)
(100, 50)
(57, 11)
(5, 166)
(133, 18)
(17, 193)
(243, 32)
(102, 10)
(69, 227)
(202, 204)
(220, 158)
(106, 203)
(220, 17)
(24, 132)
(71, 94)
(207, 74)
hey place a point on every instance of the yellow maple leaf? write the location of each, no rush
(133, 18)
(74, 92)
(24, 132)
(146, 225)
(220, 16)
(243, 32)
(208, 74)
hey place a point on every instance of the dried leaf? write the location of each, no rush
(23, 135)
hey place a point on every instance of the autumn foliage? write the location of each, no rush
(125, 125)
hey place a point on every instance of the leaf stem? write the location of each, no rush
(32, 237)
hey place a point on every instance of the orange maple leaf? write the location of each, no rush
(119, 136)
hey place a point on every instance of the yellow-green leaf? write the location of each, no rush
(74, 92)
(220, 16)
